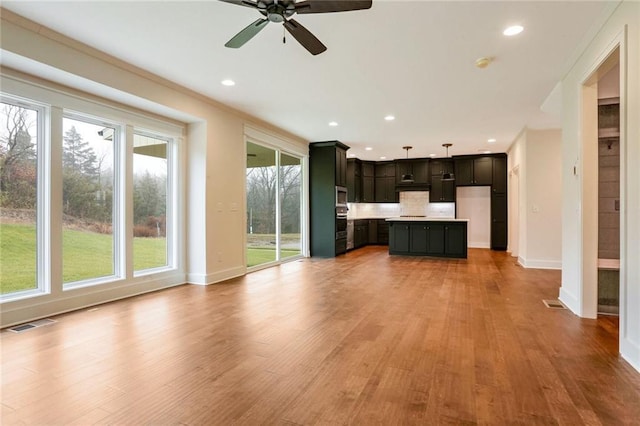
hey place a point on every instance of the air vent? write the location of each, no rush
(554, 304)
(33, 324)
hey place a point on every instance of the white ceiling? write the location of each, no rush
(412, 59)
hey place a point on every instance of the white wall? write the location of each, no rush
(544, 199)
(474, 203)
(579, 288)
(535, 166)
(215, 155)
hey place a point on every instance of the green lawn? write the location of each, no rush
(258, 256)
(89, 255)
(84, 255)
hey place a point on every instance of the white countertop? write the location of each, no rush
(424, 219)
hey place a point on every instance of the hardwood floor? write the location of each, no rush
(361, 339)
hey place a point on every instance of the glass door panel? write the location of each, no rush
(290, 205)
(262, 182)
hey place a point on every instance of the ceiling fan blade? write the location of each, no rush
(304, 37)
(247, 3)
(328, 6)
(247, 34)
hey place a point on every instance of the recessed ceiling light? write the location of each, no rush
(383, 158)
(492, 140)
(333, 123)
(389, 118)
(351, 155)
(513, 30)
(484, 151)
(228, 82)
(432, 155)
(368, 148)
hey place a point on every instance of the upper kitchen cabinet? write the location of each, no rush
(500, 174)
(385, 186)
(473, 171)
(368, 172)
(441, 190)
(341, 165)
(354, 180)
(418, 169)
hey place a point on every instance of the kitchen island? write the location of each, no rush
(428, 236)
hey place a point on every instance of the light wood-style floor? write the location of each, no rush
(361, 339)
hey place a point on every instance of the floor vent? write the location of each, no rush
(33, 324)
(554, 304)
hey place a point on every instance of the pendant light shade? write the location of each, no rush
(407, 178)
(445, 175)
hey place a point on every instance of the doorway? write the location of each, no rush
(602, 158)
(274, 206)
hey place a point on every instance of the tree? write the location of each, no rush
(81, 177)
(148, 197)
(261, 195)
(78, 154)
(17, 159)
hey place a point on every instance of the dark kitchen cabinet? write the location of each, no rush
(438, 166)
(499, 217)
(435, 239)
(399, 237)
(341, 166)
(372, 228)
(368, 182)
(419, 238)
(354, 180)
(328, 239)
(385, 186)
(418, 168)
(383, 232)
(360, 233)
(474, 171)
(499, 175)
(441, 191)
(498, 221)
(428, 238)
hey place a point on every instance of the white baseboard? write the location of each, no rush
(540, 264)
(570, 301)
(630, 351)
(484, 245)
(216, 277)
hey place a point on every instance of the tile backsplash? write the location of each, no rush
(412, 203)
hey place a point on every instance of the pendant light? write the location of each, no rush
(408, 178)
(446, 176)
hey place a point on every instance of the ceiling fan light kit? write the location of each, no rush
(281, 11)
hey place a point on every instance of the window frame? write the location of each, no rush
(58, 102)
(171, 200)
(117, 222)
(279, 150)
(43, 195)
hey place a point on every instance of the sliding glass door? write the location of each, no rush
(273, 205)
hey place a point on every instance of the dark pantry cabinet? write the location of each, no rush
(327, 170)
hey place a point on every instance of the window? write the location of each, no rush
(150, 201)
(273, 205)
(88, 200)
(87, 197)
(20, 190)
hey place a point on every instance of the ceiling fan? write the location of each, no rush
(281, 11)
